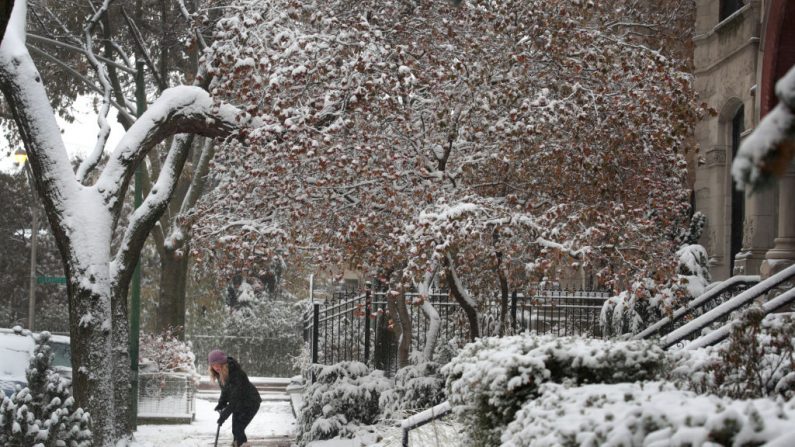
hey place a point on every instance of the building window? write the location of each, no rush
(729, 7)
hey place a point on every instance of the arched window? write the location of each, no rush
(729, 7)
(738, 197)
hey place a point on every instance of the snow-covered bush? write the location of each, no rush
(648, 301)
(756, 361)
(492, 378)
(166, 353)
(643, 414)
(444, 352)
(343, 398)
(43, 414)
(266, 334)
(417, 387)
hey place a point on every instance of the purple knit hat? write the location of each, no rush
(216, 356)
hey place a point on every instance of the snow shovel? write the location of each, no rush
(216, 435)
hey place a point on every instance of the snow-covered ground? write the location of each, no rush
(274, 419)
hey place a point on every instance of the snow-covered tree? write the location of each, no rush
(43, 414)
(500, 143)
(83, 210)
(166, 37)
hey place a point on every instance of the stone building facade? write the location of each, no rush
(741, 47)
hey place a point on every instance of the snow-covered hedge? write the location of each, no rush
(647, 301)
(757, 360)
(492, 378)
(643, 414)
(165, 353)
(343, 398)
(417, 387)
(43, 414)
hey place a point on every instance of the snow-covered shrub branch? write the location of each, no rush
(643, 414)
(758, 360)
(166, 353)
(492, 378)
(647, 301)
(343, 397)
(417, 387)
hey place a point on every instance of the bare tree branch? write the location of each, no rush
(38, 38)
(92, 159)
(122, 111)
(141, 50)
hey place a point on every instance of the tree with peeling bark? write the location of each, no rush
(84, 210)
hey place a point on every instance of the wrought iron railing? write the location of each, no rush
(719, 316)
(774, 305)
(559, 312)
(358, 327)
(713, 297)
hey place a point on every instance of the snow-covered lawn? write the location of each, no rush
(275, 419)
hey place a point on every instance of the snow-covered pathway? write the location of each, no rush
(273, 426)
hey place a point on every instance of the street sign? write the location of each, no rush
(50, 280)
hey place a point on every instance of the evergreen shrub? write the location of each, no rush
(417, 387)
(343, 398)
(44, 413)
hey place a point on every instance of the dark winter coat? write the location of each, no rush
(238, 394)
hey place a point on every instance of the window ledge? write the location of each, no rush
(724, 23)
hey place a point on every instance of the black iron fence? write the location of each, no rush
(357, 326)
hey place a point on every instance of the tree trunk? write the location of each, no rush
(396, 303)
(173, 285)
(91, 337)
(404, 347)
(122, 377)
(504, 297)
(503, 282)
(462, 298)
(434, 321)
(5, 13)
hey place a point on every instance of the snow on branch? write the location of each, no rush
(14, 38)
(180, 109)
(769, 149)
(102, 117)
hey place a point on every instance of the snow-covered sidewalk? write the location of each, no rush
(274, 422)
